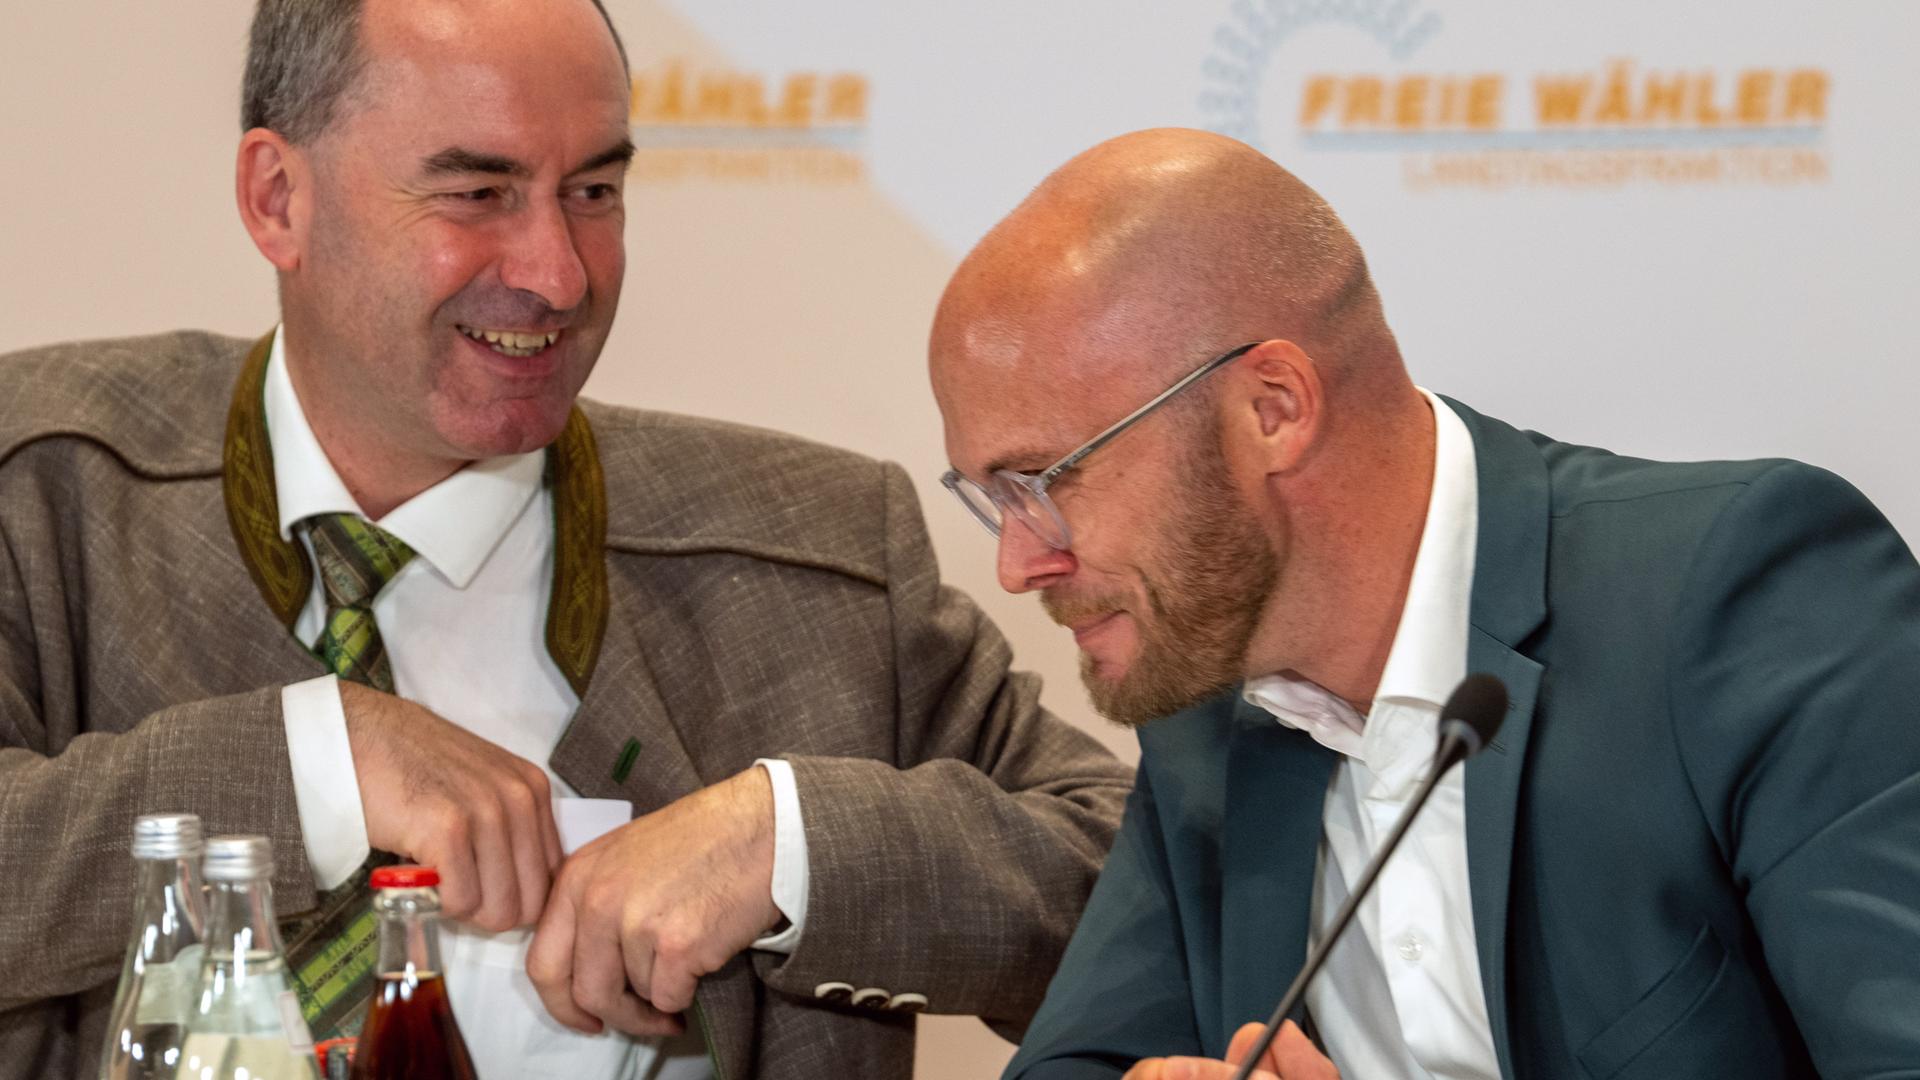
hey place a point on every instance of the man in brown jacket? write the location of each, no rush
(375, 587)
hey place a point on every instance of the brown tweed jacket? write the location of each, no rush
(769, 597)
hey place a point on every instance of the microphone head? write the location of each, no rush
(1478, 704)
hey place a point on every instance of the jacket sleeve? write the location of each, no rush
(66, 811)
(1796, 694)
(958, 870)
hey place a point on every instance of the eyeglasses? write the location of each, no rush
(1024, 495)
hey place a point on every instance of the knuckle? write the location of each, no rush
(598, 1000)
(603, 904)
(677, 945)
(543, 971)
(538, 787)
(449, 822)
(486, 813)
(670, 994)
(518, 800)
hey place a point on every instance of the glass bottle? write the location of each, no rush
(246, 1023)
(410, 1033)
(163, 959)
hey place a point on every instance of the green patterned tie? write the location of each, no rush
(356, 561)
(331, 951)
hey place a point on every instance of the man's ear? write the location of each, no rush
(271, 183)
(1276, 398)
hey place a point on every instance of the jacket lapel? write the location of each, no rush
(1509, 604)
(621, 743)
(1276, 793)
(1493, 797)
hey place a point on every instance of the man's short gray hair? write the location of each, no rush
(302, 58)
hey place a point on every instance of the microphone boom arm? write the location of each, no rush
(1348, 908)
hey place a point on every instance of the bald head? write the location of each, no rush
(1145, 253)
(1270, 529)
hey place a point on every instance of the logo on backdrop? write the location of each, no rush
(694, 122)
(1608, 124)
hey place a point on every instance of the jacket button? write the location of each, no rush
(833, 992)
(908, 1003)
(871, 998)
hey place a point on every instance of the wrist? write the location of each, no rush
(758, 811)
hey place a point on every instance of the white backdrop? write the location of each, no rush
(1678, 229)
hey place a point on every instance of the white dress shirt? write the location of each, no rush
(1402, 996)
(464, 628)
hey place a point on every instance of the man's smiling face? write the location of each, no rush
(466, 247)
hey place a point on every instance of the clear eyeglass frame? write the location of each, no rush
(1024, 494)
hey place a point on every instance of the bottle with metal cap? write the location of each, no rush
(163, 959)
(410, 1033)
(246, 1023)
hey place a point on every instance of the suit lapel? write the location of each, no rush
(621, 743)
(1493, 797)
(1276, 792)
(1509, 604)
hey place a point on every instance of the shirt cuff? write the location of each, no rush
(326, 789)
(789, 858)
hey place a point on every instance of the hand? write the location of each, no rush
(446, 798)
(1291, 1057)
(639, 915)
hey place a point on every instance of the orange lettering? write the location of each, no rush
(1561, 100)
(714, 101)
(1754, 97)
(1807, 96)
(1662, 103)
(796, 103)
(1409, 102)
(1614, 105)
(1704, 110)
(846, 99)
(1363, 102)
(1316, 98)
(753, 101)
(1483, 101)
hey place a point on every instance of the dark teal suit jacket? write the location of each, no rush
(1694, 847)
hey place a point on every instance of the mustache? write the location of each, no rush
(511, 309)
(1068, 610)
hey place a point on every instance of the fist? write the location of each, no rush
(639, 915)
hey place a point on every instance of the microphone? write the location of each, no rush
(1468, 722)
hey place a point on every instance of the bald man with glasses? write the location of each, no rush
(1690, 851)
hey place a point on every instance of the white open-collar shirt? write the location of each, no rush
(1402, 997)
(464, 628)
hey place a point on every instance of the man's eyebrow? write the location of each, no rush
(618, 154)
(459, 161)
(1041, 460)
(455, 161)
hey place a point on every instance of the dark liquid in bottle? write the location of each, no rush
(410, 1033)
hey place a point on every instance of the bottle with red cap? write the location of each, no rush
(410, 1031)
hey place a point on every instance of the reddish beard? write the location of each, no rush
(1206, 586)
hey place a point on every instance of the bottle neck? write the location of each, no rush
(170, 908)
(240, 925)
(409, 932)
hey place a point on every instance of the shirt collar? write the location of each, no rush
(1429, 652)
(454, 525)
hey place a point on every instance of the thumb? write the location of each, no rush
(1244, 1041)
(1295, 1057)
